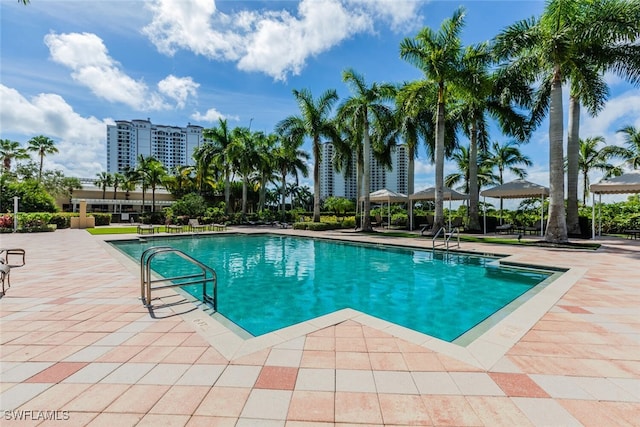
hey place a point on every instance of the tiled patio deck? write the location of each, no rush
(76, 339)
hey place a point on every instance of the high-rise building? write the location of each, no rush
(338, 184)
(171, 145)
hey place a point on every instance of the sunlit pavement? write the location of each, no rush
(79, 348)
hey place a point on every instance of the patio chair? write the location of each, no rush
(195, 226)
(6, 252)
(5, 271)
(146, 228)
(174, 228)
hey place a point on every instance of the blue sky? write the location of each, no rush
(69, 68)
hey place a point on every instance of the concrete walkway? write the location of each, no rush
(78, 348)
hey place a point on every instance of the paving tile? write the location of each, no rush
(164, 420)
(315, 379)
(422, 362)
(16, 396)
(239, 376)
(201, 375)
(387, 362)
(517, 385)
(164, 374)
(120, 420)
(223, 402)
(20, 372)
(545, 412)
(180, 400)
(403, 409)
(55, 397)
(355, 381)
(318, 359)
(56, 372)
(128, 373)
(476, 383)
(267, 404)
(561, 387)
(352, 360)
(284, 357)
(96, 398)
(360, 408)
(590, 413)
(312, 406)
(139, 398)
(450, 411)
(92, 373)
(394, 382)
(184, 354)
(89, 354)
(493, 410)
(277, 378)
(435, 383)
(202, 421)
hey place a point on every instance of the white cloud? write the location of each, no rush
(88, 58)
(178, 89)
(276, 43)
(621, 111)
(211, 115)
(80, 140)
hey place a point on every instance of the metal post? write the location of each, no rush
(593, 216)
(15, 213)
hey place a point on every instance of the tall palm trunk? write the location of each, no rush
(573, 147)
(316, 180)
(585, 181)
(366, 179)
(438, 220)
(283, 192)
(227, 188)
(474, 218)
(556, 224)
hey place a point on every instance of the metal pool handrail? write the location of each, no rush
(446, 236)
(207, 275)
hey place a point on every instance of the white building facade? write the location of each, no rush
(337, 184)
(171, 145)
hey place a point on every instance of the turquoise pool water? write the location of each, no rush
(267, 282)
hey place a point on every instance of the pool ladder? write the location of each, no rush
(446, 237)
(206, 275)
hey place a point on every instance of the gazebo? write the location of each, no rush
(517, 189)
(627, 183)
(388, 196)
(430, 194)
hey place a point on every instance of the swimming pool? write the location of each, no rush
(268, 282)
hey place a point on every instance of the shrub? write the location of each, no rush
(192, 205)
(33, 197)
(6, 221)
(62, 219)
(102, 218)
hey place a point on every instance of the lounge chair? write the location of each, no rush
(195, 226)
(174, 228)
(146, 228)
(504, 228)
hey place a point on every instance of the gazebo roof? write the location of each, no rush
(517, 189)
(430, 194)
(627, 183)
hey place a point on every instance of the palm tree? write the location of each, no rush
(130, 177)
(219, 153)
(104, 180)
(10, 150)
(365, 111)
(571, 41)
(243, 155)
(607, 33)
(313, 122)
(482, 95)
(508, 156)
(438, 55)
(154, 174)
(591, 158)
(289, 159)
(42, 145)
(118, 178)
(484, 171)
(141, 171)
(632, 139)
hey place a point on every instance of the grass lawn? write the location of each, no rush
(113, 230)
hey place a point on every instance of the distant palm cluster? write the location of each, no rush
(515, 80)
